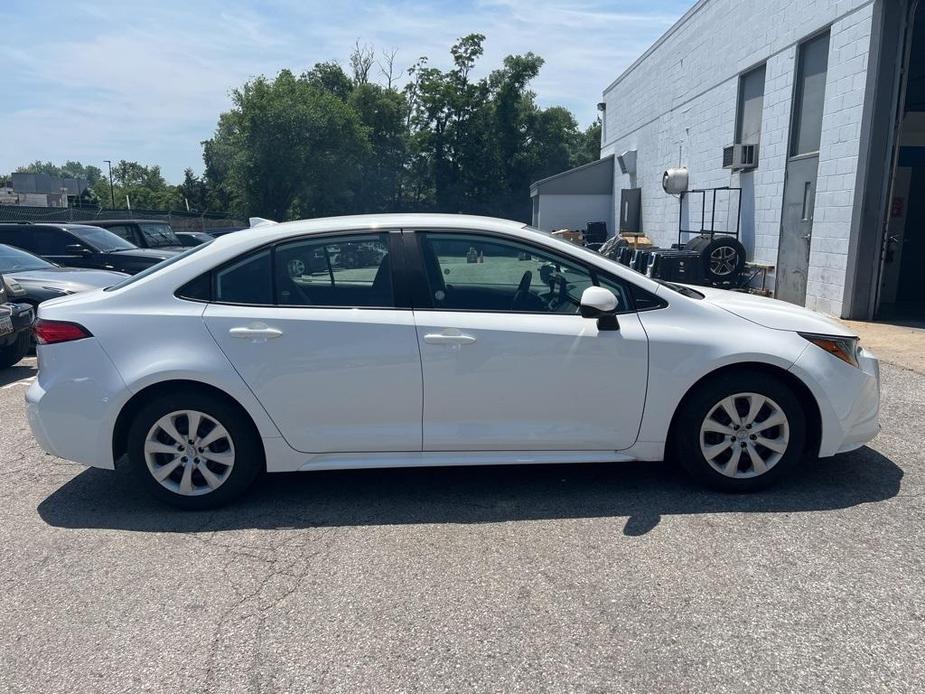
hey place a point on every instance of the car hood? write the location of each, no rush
(152, 253)
(70, 279)
(772, 313)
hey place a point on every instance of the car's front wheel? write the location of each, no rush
(740, 431)
(193, 450)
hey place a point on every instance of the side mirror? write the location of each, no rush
(600, 303)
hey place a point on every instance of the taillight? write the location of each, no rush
(49, 332)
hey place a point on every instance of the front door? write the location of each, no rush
(509, 364)
(312, 327)
(796, 229)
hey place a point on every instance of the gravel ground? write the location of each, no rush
(619, 578)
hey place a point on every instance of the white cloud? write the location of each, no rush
(147, 81)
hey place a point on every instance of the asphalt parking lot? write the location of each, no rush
(552, 578)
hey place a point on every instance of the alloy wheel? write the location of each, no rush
(723, 260)
(744, 435)
(189, 452)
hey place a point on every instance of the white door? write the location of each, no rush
(311, 327)
(510, 365)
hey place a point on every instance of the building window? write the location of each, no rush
(809, 96)
(751, 102)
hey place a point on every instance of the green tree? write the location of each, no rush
(287, 149)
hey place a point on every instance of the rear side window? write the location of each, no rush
(122, 231)
(335, 271)
(246, 281)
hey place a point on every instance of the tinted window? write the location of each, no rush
(159, 235)
(56, 242)
(100, 239)
(14, 260)
(485, 273)
(335, 271)
(23, 237)
(123, 231)
(156, 268)
(245, 281)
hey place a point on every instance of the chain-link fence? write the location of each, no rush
(180, 221)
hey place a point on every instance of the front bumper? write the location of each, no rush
(848, 398)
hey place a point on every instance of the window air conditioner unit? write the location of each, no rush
(737, 157)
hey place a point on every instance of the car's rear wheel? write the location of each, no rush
(193, 450)
(741, 431)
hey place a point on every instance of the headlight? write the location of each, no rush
(845, 348)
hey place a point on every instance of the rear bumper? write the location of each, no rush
(848, 398)
(72, 405)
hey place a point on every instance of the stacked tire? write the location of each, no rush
(723, 257)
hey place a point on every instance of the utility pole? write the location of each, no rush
(112, 194)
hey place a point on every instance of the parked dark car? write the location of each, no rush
(144, 233)
(82, 245)
(15, 328)
(193, 238)
(32, 280)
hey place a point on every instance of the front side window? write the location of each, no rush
(473, 272)
(100, 239)
(335, 271)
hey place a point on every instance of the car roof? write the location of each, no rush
(437, 222)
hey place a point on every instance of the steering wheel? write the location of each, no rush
(525, 281)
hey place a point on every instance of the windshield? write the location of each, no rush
(159, 235)
(15, 260)
(157, 268)
(100, 239)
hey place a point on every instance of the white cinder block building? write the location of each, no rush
(831, 95)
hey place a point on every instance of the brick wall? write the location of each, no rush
(681, 96)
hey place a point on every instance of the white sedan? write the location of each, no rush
(407, 340)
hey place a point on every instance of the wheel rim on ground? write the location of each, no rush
(189, 453)
(723, 260)
(744, 435)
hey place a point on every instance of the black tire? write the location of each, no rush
(723, 257)
(244, 440)
(701, 402)
(14, 353)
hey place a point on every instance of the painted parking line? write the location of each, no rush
(21, 382)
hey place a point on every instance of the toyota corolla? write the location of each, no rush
(410, 340)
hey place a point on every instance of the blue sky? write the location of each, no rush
(146, 81)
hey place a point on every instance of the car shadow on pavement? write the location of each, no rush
(16, 373)
(641, 492)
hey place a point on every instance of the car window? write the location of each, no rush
(245, 281)
(159, 235)
(57, 242)
(100, 239)
(23, 237)
(335, 271)
(147, 272)
(475, 272)
(16, 260)
(123, 231)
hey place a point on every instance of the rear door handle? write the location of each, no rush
(257, 332)
(449, 339)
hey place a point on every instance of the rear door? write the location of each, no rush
(508, 363)
(317, 330)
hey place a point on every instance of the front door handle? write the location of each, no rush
(257, 332)
(448, 338)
